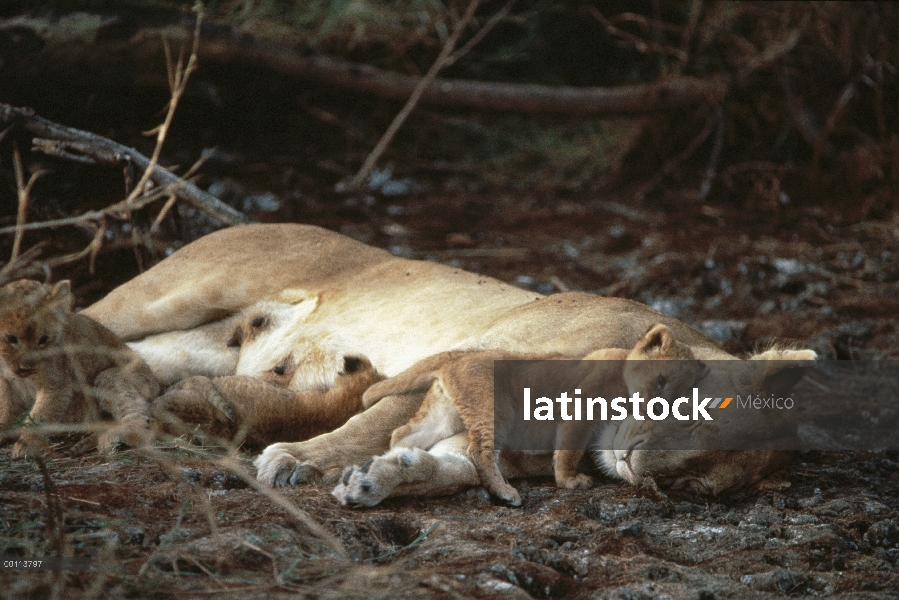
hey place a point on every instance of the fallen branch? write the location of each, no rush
(104, 150)
(223, 44)
(523, 98)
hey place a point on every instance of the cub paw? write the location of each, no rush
(578, 482)
(506, 493)
(30, 444)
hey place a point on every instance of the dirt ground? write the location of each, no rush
(181, 526)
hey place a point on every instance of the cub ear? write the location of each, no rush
(704, 370)
(60, 297)
(780, 370)
(658, 340)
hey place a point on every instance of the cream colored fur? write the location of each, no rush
(393, 311)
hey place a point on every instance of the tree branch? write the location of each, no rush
(101, 148)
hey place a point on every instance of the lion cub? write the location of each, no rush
(67, 368)
(460, 396)
(262, 411)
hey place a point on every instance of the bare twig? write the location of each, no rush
(630, 40)
(178, 77)
(24, 191)
(481, 34)
(442, 60)
(718, 146)
(675, 162)
(54, 512)
(689, 30)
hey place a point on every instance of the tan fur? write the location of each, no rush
(335, 297)
(256, 411)
(67, 368)
(462, 384)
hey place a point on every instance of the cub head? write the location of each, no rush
(699, 455)
(33, 318)
(660, 366)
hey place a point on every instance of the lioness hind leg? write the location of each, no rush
(444, 469)
(437, 419)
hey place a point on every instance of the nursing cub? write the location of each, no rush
(63, 367)
(260, 411)
(461, 396)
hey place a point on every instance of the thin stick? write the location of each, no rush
(178, 76)
(407, 109)
(712, 169)
(24, 192)
(481, 34)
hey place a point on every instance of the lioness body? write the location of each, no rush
(351, 299)
(67, 368)
(361, 300)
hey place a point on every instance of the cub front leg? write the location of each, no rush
(572, 439)
(195, 401)
(566, 470)
(126, 393)
(50, 406)
(326, 456)
(12, 402)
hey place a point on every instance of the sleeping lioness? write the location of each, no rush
(338, 297)
(461, 396)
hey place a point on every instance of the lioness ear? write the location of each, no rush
(780, 370)
(658, 340)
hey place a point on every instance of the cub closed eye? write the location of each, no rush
(12, 339)
(44, 339)
(661, 381)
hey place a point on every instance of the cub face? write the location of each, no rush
(660, 366)
(33, 318)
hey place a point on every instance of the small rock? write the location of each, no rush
(884, 534)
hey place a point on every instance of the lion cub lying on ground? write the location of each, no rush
(461, 396)
(67, 368)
